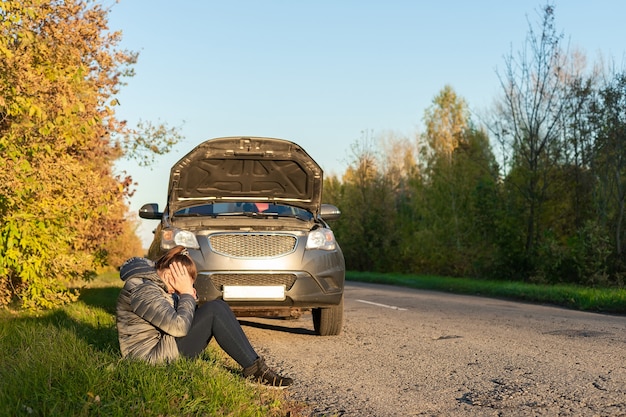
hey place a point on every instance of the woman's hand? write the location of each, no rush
(181, 281)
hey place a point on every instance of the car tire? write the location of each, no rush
(328, 321)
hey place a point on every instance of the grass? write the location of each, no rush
(66, 362)
(604, 300)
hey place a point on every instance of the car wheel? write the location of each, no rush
(328, 321)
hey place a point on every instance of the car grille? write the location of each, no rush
(246, 245)
(219, 280)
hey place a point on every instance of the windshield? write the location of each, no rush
(239, 208)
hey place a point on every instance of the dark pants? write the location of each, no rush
(216, 319)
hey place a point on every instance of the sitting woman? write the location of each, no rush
(158, 320)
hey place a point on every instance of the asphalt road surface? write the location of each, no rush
(407, 352)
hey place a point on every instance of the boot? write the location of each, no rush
(260, 372)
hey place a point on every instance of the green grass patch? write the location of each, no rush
(66, 362)
(605, 300)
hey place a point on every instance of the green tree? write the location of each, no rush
(60, 201)
(366, 229)
(446, 122)
(578, 149)
(530, 121)
(609, 162)
(354, 229)
(400, 168)
(457, 197)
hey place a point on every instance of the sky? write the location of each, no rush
(324, 73)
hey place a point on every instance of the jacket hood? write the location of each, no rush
(246, 169)
(140, 267)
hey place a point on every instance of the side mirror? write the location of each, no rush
(150, 211)
(329, 212)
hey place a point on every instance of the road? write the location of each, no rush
(408, 352)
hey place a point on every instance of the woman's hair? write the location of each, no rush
(177, 254)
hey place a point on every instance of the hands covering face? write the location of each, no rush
(180, 279)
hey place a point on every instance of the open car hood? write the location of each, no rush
(246, 169)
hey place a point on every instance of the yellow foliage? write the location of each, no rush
(446, 120)
(60, 202)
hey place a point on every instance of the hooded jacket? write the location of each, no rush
(149, 319)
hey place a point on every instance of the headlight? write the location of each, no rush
(175, 237)
(323, 239)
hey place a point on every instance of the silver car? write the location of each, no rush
(249, 210)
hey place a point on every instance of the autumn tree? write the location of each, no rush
(446, 120)
(60, 201)
(354, 230)
(126, 244)
(366, 230)
(401, 169)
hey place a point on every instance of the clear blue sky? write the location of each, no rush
(320, 73)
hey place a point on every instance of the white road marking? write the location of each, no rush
(382, 305)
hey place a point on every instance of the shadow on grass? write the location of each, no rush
(284, 329)
(104, 297)
(102, 337)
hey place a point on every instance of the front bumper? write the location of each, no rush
(301, 288)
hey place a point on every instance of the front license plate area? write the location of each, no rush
(253, 292)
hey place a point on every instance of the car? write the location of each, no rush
(249, 211)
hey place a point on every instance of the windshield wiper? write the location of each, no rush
(264, 215)
(292, 215)
(235, 213)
